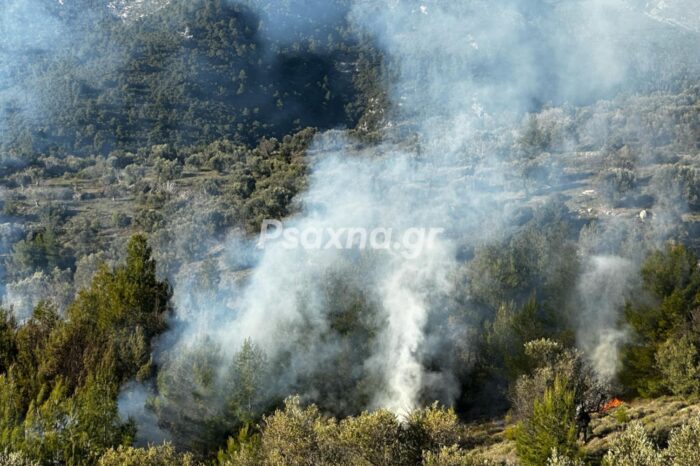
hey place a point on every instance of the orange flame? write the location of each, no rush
(612, 404)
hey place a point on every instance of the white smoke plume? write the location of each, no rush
(603, 288)
(464, 71)
(132, 400)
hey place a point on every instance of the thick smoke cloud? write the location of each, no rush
(462, 72)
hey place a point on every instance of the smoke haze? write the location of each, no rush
(461, 72)
(462, 78)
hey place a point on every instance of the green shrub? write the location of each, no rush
(16, 459)
(632, 447)
(371, 438)
(678, 361)
(615, 183)
(299, 436)
(430, 429)
(549, 360)
(243, 450)
(453, 456)
(656, 359)
(557, 459)
(120, 220)
(551, 426)
(684, 445)
(621, 415)
(162, 455)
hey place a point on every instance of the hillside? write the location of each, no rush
(251, 232)
(92, 81)
(659, 417)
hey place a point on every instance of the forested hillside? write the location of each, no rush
(188, 72)
(146, 144)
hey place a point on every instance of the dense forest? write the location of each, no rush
(143, 144)
(190, 72)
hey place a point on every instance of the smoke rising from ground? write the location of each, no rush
(463, 70)
(603, 288)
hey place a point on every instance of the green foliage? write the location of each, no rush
(615, 183)
(189, 402)
(242, 450)
(430, 429)
(550, 361)
(167, 170)
(190, 72)
(678, 361)
(371, 438)
(203, 405)
(684, 445)
(16, 459)
(247, 382)
(621, 415)
(539, 259)
(551, 426)
(453, 456)
(534, 138)
(557, 459)
(62, 377)
(39, 251)
(662, 355)
(298, 436)
(72, 430)
(110, 323)
(505, 338)
(633, 448)
(161, 455)
(120, 220)
(8, 346)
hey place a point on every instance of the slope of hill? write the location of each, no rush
(680, 13)
(144, 145)
(177, 72)
(492, 441)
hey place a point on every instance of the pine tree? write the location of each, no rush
(551, 426)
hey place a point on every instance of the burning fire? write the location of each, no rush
(612, 404)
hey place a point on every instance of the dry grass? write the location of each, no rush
(660, 416)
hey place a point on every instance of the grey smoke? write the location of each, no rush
(605, 284)
(463, 70)
(132, 399)
(465, 73)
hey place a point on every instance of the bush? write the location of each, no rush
(632, 447)
(557, 459)
(167, 170)
(615, 183)
(16, 459)
(162, 455)
(658, 358)
(298, 436)
(432, 428)
(677, 359)
(621, 415)
(453, 456)
(243, 450)
(684, 445)
(551, 426)
(120, 220)
(551, 360)
(371, 438)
